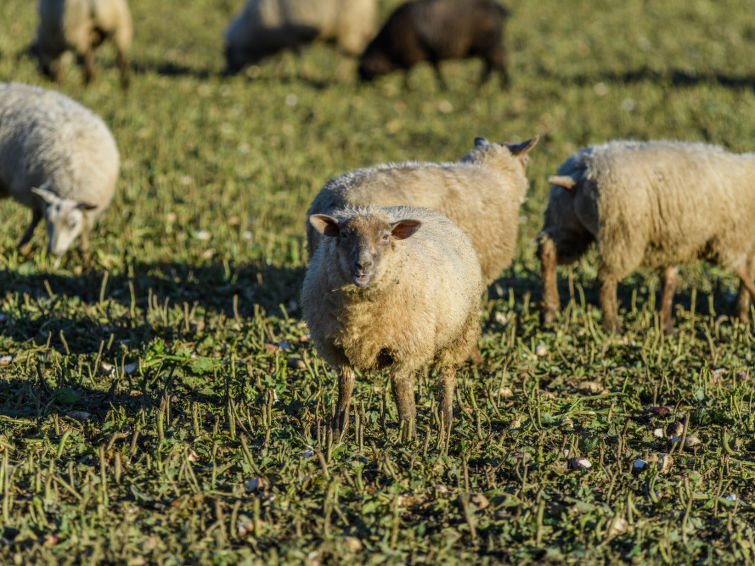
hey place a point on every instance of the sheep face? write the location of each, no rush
(374, 64)
(363, 244)
(64, 219)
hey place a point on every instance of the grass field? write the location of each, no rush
(163, 404)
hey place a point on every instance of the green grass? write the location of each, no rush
(142, 397)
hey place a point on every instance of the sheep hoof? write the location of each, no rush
(24, 249)
(549, 316)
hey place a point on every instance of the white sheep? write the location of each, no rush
(80, 26)
(57, 158)
(264, 27)
(482, 194)
(651, 204)
(392, 288)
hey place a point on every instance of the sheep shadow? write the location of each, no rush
(673, 77)
(170, 69)
(45, 315)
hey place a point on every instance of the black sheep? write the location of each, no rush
(433, 30)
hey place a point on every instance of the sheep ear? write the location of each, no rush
(402, 229)
(522, 150)
(45, 194)
(480, 142)
(85, 206)
(326, 225)
(562, 181)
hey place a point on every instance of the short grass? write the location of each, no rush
(163, 404)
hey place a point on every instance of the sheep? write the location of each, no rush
(264, 27)
(58, 159)
(392, 288)
(81, 26)
(481, 194)
(651, 204)
(433, 30)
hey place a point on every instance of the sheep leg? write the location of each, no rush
(402, 384)
(447, 385)
(89, 65)
(745, 286)
(24, 247)
(548, 260)
(670, 277)
(441, 80)
(345, 387)
(608, 301)
(123, 67)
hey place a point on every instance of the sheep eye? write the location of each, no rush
(385, 237)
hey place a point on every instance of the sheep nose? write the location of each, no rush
(363, 264)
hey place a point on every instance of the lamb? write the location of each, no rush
(392, 288)
(264, 27)
(481, 194)
(57, 158)
(81, 26)
(433, 30)
(651, 204)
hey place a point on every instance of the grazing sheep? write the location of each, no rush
(481, 194)
(57, 158)
(392, 288)
(650, 204)
(81, 26)
(264, 27)
(433, 30)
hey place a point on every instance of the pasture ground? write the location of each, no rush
(163, 404)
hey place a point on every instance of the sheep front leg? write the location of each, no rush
(89, 72)
(608, 302)
(24, 247)
(402, 384)
(548, 260)
(123, 67)
(345, 387)
(670, 277)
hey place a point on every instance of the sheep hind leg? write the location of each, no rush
(123, 68)
(345, 386)
(746, 288)
(608, 302)
(670, 277)
(402, 384)
(548, 260)
(24, 245)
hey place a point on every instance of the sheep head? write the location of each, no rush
(363, 243)
(64, 218)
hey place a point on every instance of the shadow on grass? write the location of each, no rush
(50, 305)
(673, 77)
(170, 69)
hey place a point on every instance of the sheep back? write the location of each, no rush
(657, 203)
(423, 305)
(482, 195)
(264, 27)
(47, 137)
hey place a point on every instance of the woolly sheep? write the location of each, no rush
(650, 204)
(392, 288)
(57, 158)
(433, 30)
(481, 194)
(264, 27)
(80, 26)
